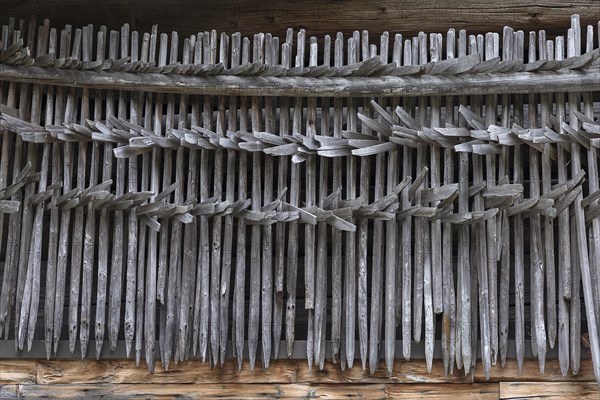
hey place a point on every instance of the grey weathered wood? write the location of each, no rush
(292, 270)
(151, 284)
(255, 261)
(116, 268)
(240, 270)
(426, 85)
(548, 223)
(350, 259)
(173, 297)
(518, 230)
(336, 235)
(406, 238)
(582, 243)
(31, 295)
(503, 170)
(492, 51)
(23, 231)
(267, 231)
(280, 229)
(217, 222)
(229, 196)
(133, 229)
(564, 246)
(594, 230)
(449, 291)
(419, 48)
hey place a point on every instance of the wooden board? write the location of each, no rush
(281, 371)
(316, 16)
(549, 391)
(258, 391)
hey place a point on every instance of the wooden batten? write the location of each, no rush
(372, 197)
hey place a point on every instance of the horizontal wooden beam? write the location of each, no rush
(258, 391)
(281, 371)
(318, 17)
(426, 85)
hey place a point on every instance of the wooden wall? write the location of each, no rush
(286, 379)
(316, 16)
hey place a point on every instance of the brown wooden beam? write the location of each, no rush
(318, 17)
(281, 371)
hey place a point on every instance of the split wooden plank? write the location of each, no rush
(492, 51)
(267, 231)
(187, 321)
(518, 224)
(449, 291)
(350, 259)
(82, 245)
(322, 233)
(310, 237)
(230, 197)
(280, 227)
(420, 52)
(152, 275)
(255, 247)
(463, 310)
(503, 171)
(240, 270)
(582, 244)
(217, 221)
(174, 284)
(10, 271)
(24, 279)
(133, 185)
(564, 227)
(116, 267)
(548, 222)
(293, 242)
(54, 215)
(146, 274)
(537, 261)
(593, 185)
(406, 236)
(337, 329)
(31, 294)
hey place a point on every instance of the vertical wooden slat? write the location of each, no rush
(31, 295)
(491, 51)
(293, 243)
(449, 292)
(406, 238)
(518, 224)
(267, 231)
(240, 269)
(280, 227)
(350, 261)
(336, 235)
(574, 49)
(136, 109)
(229, 197)
(503, 171)
(564, 246)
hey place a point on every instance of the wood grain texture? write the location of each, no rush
(258, 391)
(73, 372)
(549, 391)
(316, 16)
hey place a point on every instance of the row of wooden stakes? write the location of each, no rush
(154, 211)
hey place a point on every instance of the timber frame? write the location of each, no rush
(220, 197)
